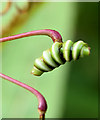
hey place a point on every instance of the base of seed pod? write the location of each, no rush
(36, 71)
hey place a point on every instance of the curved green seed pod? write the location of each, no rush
(47, 57)
(77, 47)
(67, 50)
(58, 54)
(55, 52)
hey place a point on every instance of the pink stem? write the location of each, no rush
(42, 106)
(56, 37)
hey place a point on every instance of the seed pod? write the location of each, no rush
(58, 54)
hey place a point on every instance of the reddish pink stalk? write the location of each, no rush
(56, 37)
(42, 106)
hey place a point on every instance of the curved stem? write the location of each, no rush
(6, 8)
(56, 37)
(42, 106)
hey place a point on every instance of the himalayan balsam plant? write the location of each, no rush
(59, 53)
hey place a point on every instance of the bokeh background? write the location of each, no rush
(71, 90)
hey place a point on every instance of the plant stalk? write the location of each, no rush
(56, 37)
(42, 106)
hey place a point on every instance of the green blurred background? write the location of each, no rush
(71, 90)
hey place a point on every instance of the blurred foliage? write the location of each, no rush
(16, 15)
(71, 90)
